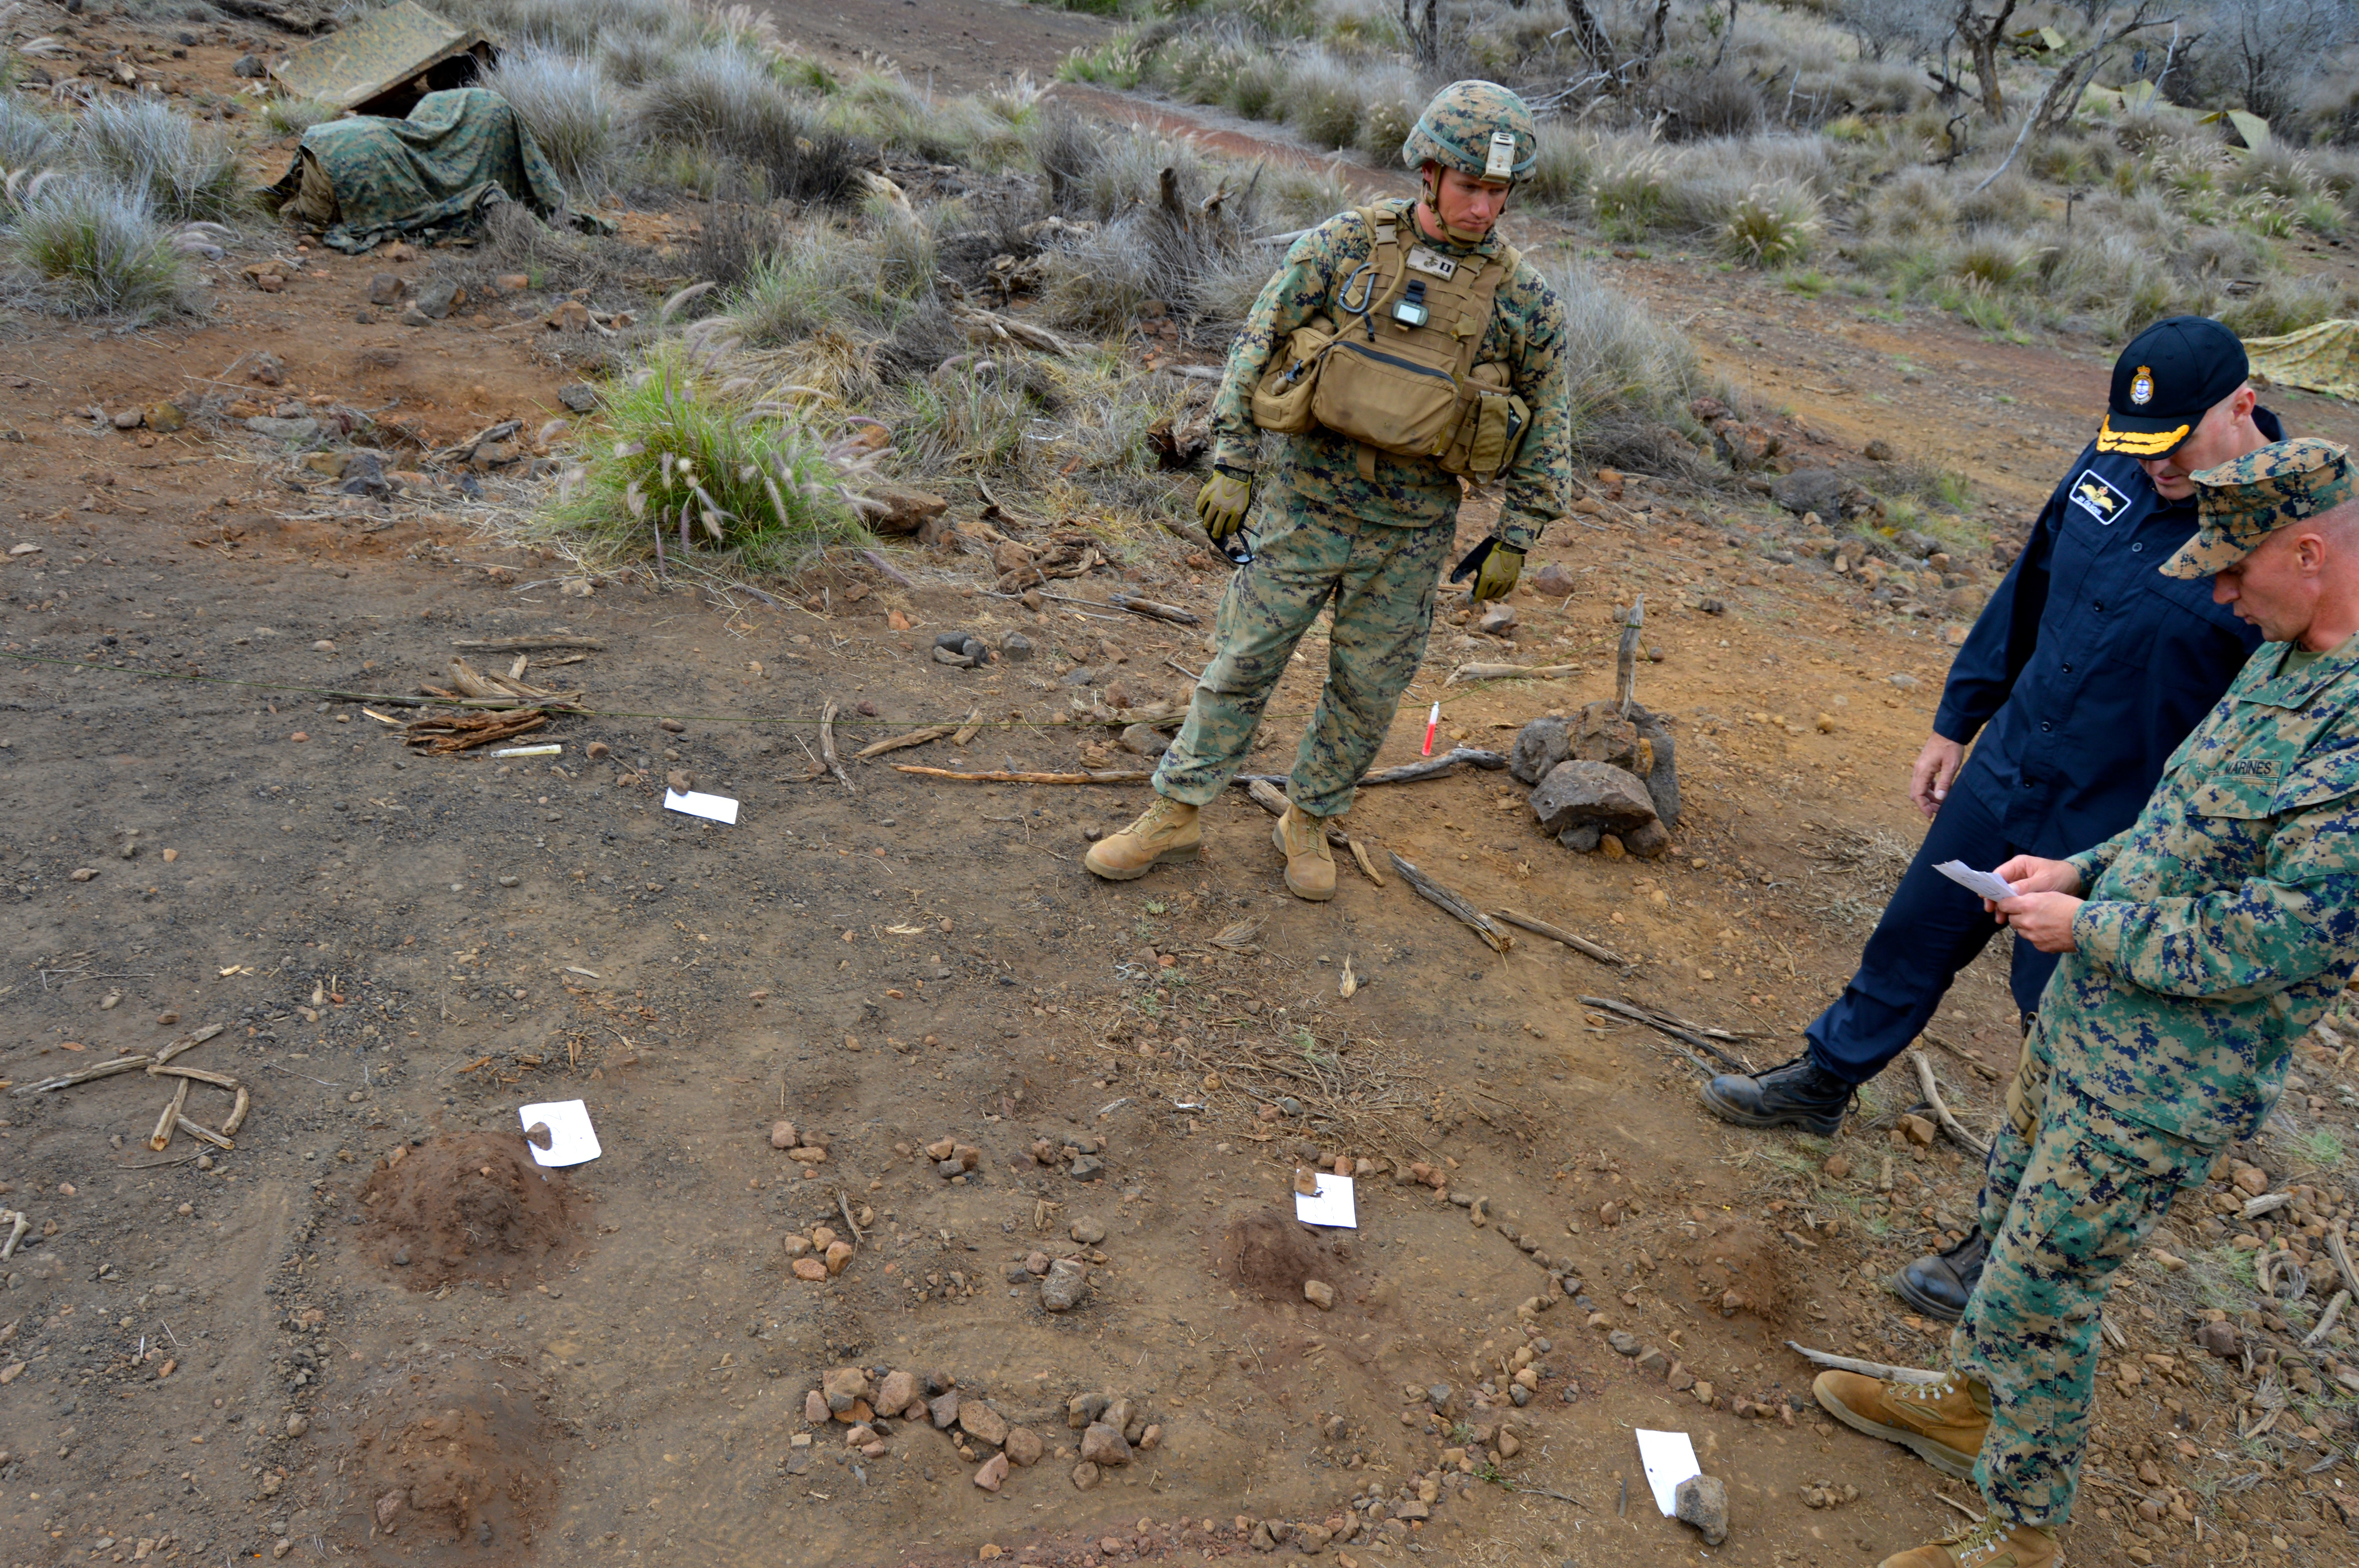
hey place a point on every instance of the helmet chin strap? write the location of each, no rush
(1432, 173)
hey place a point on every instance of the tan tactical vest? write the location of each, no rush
(1391, 364)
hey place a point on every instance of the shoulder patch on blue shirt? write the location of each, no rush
(2099, 499)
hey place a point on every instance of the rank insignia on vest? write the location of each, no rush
(2099, 500)
(1423, 260)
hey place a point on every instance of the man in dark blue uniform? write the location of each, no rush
(2083, 674)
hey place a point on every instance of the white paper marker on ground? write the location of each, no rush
(1669, 1459)
(1982, 884)
(571, 1140)
(718, 808)
(1332, 1206)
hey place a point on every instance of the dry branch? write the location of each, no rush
(1124, 775)
(18, 1224)
(1458, 908)
(83, 1075)
(218, 1080)
(445, 737)
(1509, 672)
(237, 1113)
(2341, 1257)
(1676, 1031)
(195, 1130)
(188, 1043)
(1155, 612)
(525, 644)
(1864, 1369)
(1578, 944)
(2317, 1337)
(970, 729)
(827, 746)
(1924, 1065)
(161, 1139)
(902, 743)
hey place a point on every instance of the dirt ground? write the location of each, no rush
(375, 1329)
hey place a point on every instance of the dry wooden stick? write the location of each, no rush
(1988, 1074)
(1359, 857)
(206, 1133)
(1434, 892)
(1542, 928)
(1640, 1015)
(523, 644)
(1508, 672)
(931, 732)
(1155, 612)
(218, 1080)
(237, 1113)
(1124, 775)
(1434, 767)
(970, 729)
(841, 1203)
(2341, 1257)
(187, 1042)
(161, 1139)
(1865, 1369)
(2311, 1340)
(18, 1224)
(826, 745)
(83, 1075)
(1924, 1065)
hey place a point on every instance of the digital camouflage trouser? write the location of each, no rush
(2070, 1192)
(1382, 580)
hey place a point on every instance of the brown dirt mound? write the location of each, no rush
(1271, 1255)
(466, 1207)
(464, 1463)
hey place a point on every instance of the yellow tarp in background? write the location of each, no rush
(2324, 357)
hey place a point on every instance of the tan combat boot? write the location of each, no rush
(1942, 1423)
(1167, 834)
(1990, 1544)
(1303, 839)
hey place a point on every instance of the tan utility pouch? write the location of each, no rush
(1282, 402)
(1409, 389)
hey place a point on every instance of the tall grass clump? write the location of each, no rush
(1561, 168)
(1629, 376)
(101, 246)
(293, 116)
(723, 101)
(573, 113)
(753, 488)
(143, 145)
(1771, 226)
(29, 138)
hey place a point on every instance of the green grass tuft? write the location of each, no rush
(103, 247)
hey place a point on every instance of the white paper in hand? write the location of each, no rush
(718, 808)
(571, 1140)
(1982, 884)
(1333, 1204)
(1669, 1459)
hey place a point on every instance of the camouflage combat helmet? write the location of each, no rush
(1476, 127)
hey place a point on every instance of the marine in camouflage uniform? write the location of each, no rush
(1373, 540)
(2214, 932)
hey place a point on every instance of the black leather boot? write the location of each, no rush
(1796, 1093)
(1938, 1286)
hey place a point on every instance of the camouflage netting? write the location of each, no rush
(456, 152)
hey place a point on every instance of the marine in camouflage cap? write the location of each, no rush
(2247, 498)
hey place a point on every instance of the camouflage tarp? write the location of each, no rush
(457, 151)
(383, 63)
(2324, 357)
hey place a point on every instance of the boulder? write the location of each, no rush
(906, 510)
(1552, 581)
(1601, 734)
(1582, 793)
(1810, 489)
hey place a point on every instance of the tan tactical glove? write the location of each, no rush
(1494, 567)
(1223, 503)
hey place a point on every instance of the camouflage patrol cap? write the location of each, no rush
(1478, 128)
(2247, 498)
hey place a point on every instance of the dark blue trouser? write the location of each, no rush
(1931, 930)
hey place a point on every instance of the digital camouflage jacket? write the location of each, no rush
(2222, 922)
(1526, 334)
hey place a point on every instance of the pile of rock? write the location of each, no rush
(1112, 1428)
(1077, 1154)
(866, 1402)
(818, 1254)
(953, 1160)
(1601, 778)
(807, 1147)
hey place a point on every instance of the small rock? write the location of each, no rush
(1878, 451)
(412, 316)
(1087, 1231)
(1497, 620)
(1016, 648)
(512, 283)
(1064, 1285)
(1579, 794)
(165, 417)
(439, 298)
(993, 1472)
(1622, 1342)
(1838, 1166)
(1918, 1131)
(1145, 740)
(2219, 1338)
(297, 1425)
(1103, 1444)
(1552, 581)
(386, 288)
(402, 1257)
(389, 1507)
(1809, 490)
(1319, 1293)
(1085, 1475)
(127, 418)
(680, 780)
(1023, 1447)
(509, 882)
(249, 67)
(578, 395)
(906, 510)
(839, 1253)
(809, 1269)
(1702, 1501)
(1086, 1168)
(2251, 1180)
(782, 1135)
(978, 1419)
(844, 1387)
(283, 429)
(942, 1409)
